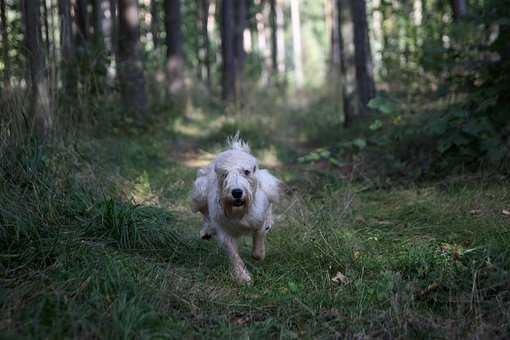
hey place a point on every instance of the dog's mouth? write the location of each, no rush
(238, 203)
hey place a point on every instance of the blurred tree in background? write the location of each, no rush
(433, 74)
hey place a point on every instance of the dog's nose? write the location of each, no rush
(237, 193)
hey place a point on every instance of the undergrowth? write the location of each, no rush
(97, 241)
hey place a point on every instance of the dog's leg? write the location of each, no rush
(258, 251)
(238, 267)
(259, 238)
(207, 230)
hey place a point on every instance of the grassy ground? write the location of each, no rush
(97, 241)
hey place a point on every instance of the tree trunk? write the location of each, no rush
(335, 37)
(347, 69)
(67, 46)
(114, 29)
(46, 26)
(240, 25)
(82, 23)
(280, 37)
(228, 69)
(5, 45)
(363, 58)
(274, 36)
(130, 68)
(459, 9)
(38, 80)
(98, 16)
(155, 23)
(175, 61)
(296, 41)
(205, 41)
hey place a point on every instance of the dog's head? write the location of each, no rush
(235, 170)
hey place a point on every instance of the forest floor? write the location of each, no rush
(120, 257)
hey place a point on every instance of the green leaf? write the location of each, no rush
(360, 143)
(376, 125)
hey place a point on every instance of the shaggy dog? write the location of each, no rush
(235, 198)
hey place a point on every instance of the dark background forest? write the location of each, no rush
(388, 121)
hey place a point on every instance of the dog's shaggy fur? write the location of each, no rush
(235, 198)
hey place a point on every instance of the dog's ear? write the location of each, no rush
(269, 184)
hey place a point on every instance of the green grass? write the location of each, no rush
(97, 241)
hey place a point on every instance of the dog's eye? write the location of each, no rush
(247, 172)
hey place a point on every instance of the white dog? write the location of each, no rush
(235, 198)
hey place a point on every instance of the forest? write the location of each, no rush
(388, 122)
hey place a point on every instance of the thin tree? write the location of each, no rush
(363, 58)
(459, 9)
(114, 30)
(130, 69)
(82, 23)
(98, 65)
(175, 63)
(240, 25)
(296, 41)
(204, 20)
(155, 23)
(67, 48)
(274, 35)
(38, 76)
(228, 69)
(347, 88)
(5, 45)
(280, 37)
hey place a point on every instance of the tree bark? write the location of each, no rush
(38, 75)
(274, 35)
(205, 41)
(46, 26)
(280, 37)
(5, 45)
(175, 61)
(67, 47)
(228, 69)
(296, 41)
(347, 88)
(155, 23)
(240, 25)
(82, 23)
(114, 29)
(459, 9)
(363, 58)
(98, 16)
(130, 68)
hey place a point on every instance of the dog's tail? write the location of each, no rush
(236, 143)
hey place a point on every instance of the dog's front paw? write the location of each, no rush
(206, 233)
(242, 276)
(258, 255)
